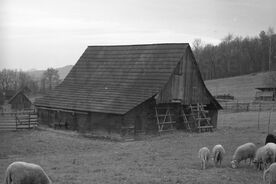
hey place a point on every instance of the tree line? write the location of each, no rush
(236, 55)
(13, 80)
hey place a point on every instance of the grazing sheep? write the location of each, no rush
(218, 153)
(244, 152)
(272, 146)
(204, 155)
(270, 138)
(263, 156)
(272, 171)
(26, 173)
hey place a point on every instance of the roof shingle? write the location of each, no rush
(115, 79)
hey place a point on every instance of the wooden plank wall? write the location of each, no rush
(20, 102)
(185, 84)
(142, 117)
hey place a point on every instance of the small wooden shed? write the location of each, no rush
(138, 88)
(266, 93)
(20, 101)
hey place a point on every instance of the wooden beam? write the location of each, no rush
(62, 110)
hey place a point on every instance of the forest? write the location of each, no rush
(236, 55)
(13, 80)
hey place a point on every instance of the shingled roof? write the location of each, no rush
(115, 79)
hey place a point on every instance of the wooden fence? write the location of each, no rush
(18, 120)
(238, 106)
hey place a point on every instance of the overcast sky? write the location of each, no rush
(37, 34)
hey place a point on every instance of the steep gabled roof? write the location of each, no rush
(115, 79)
(18, 93)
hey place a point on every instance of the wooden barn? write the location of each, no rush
(20, 100)
(266, 93)
(132, 89)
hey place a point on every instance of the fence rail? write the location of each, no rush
(237, 106)
(18, 120)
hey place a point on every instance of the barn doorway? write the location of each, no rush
(138, 125)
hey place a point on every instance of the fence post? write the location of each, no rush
(259, 115)
(269, 117)
(268, 126)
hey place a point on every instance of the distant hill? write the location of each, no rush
(62, 71)
(241, 87)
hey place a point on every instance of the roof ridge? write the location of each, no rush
(127, 45)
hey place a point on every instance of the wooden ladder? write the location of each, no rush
(199, 114)
(185, 120)
(164, 119)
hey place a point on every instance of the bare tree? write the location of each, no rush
(197, 44)
(228, 38)
(8, 79)
(51, 77)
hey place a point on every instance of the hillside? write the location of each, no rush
(62, 71)
(241, 87)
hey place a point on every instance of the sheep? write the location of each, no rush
(272, 171)
(204, 155)
(26, 173)
(218, 153)
(270, 138)
(263, 156)
(272, 146)
(258, 160)
(243, 152)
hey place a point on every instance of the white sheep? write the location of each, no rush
(218, 154)
(263, 156)
(26, 173)
(243, 152)
(272, 146)
(272, 172)
(204, 155)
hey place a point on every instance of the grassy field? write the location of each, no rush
(241, 87)
(171, 158)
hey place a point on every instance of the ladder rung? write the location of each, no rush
(168, 122)
(200, 110)
(163, 115)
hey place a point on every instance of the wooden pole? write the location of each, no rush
(259, 115)
(268, 122)
(271, 110)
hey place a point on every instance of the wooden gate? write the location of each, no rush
(18, 120)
